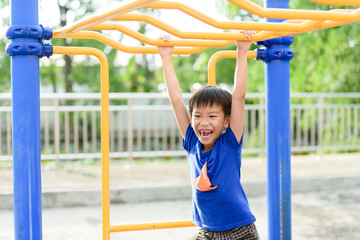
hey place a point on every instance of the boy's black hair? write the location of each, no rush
(210, 95)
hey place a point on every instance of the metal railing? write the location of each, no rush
(143, 125)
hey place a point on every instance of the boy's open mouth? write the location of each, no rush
(205, 133)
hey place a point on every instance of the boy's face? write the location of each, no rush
(208, 124)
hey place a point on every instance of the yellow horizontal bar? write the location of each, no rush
(151, 226)
(158, 42)
(305, 26)
(312, 25)
(83, 24)
(104, 65)
(317, 17)
(215, 58)
(324, 25)
(284, 26)
(263, 35)
(294, 13)
(110, 42)
(339, 2)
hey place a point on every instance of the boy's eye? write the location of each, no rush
(213, 116)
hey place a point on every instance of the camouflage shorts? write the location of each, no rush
(247, 232)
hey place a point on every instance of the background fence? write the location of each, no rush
(142, 125)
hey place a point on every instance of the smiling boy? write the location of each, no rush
(212, 137)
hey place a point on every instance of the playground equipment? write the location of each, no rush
(275, 35)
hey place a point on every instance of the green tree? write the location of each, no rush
(139, 75)
(324, 61)
(5, 82)
(50, 73)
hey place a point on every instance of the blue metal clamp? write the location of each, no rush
(37, 32)
(268, 54)
(287, 40)
(29, 31)
(29, 48)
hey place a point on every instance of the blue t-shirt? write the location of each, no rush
(225, 207)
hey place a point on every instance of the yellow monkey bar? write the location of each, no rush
(286, 26)
(82, 24)
(299, 21)
(151, 226)
(108, 41)
(296, 14)
(104, 69)
(306, 20)
(216, 57)
(339, 2)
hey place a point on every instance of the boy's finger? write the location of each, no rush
(164, 37)
(249, 33)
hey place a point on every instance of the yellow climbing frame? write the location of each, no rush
(298, 21)
(104, 69)
(216, 57)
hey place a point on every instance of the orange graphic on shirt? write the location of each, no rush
(203, 182)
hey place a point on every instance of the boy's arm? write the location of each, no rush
(174, 89)
(240, 79)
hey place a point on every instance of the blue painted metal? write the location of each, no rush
(29, 31)
(29, 48)
(287, 40)
(26, 129)
(268, 54)
(278, 147)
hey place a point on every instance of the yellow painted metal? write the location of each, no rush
(215, 58)
(110, 42)
(300, 26)
(295, 13)
(83, 24)
(346, 16)
(158, 42)
(151, 226)
(299, 21)
(104, 126)
(191, 44)
(339, 2)
(266, 13)
(312, 25)
(288, 25)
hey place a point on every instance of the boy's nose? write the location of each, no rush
(204, 123)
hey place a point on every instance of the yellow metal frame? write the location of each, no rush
(355, 3)
(299, 21)
(104, 68)
(219, 55)
(296, 14)
(104, 80)
(151, 226)
(83, 24)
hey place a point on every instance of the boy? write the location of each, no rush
(220, 206)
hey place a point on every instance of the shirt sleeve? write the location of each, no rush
(230, 139)
(190, 138)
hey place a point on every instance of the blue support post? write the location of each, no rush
(26, 129)
(278, 147)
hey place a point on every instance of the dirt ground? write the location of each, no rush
(325, 215)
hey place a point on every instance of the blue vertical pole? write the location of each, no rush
(26, 129)
(277, 81)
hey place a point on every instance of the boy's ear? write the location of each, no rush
(227, 121)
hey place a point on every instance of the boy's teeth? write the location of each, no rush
(205, 133)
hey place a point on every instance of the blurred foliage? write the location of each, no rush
(325, 60)
(5, 82)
